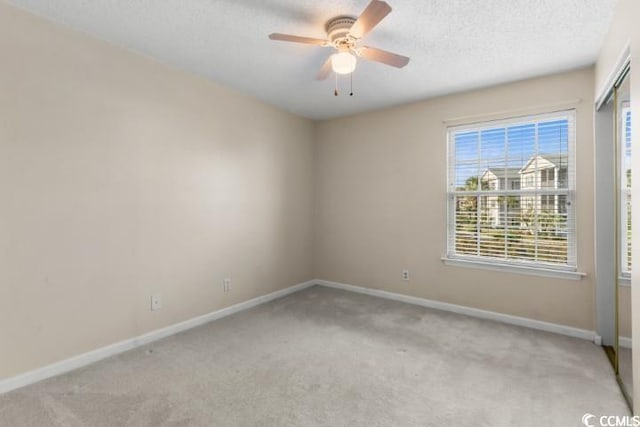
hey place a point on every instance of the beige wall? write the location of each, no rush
(381, 203)
(121, 177)
(624, 33)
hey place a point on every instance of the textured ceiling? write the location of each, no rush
(454, 45)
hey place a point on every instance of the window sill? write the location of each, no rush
(511, 268)
(624, 281)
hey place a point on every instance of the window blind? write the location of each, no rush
(511, 190)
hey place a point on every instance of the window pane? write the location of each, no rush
(553, 152)
(492, 159)
(467, 159)
(492, 219)
(466, 223)
(521, 145)
(551, 235)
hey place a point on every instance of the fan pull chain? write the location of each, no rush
(335, 92)
(351, 82)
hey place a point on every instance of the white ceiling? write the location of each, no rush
(454, 45)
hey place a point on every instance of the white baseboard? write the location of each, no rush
(469, 311)
(624, 342)
(84, 359)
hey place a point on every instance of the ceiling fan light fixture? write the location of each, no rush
(343, 63)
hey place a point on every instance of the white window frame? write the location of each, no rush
(539, 268)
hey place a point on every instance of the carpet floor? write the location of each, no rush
(325, 357)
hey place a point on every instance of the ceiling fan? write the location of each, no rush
(344, 34)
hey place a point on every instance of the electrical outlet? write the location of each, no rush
(226, 285)
(405, 274)
(156, 302)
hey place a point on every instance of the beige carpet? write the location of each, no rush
(323, 357)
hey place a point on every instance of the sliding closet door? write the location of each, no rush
(613, 228)
(624, 206)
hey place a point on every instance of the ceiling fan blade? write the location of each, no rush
(370, 17)
(379, 55)
(325, 70)
(297, 39)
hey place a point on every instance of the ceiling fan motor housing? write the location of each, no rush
(338, 32)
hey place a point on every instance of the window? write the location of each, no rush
(530, 220)
(548, 177)
(562, 203)
(625, 194)
(547, 203)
